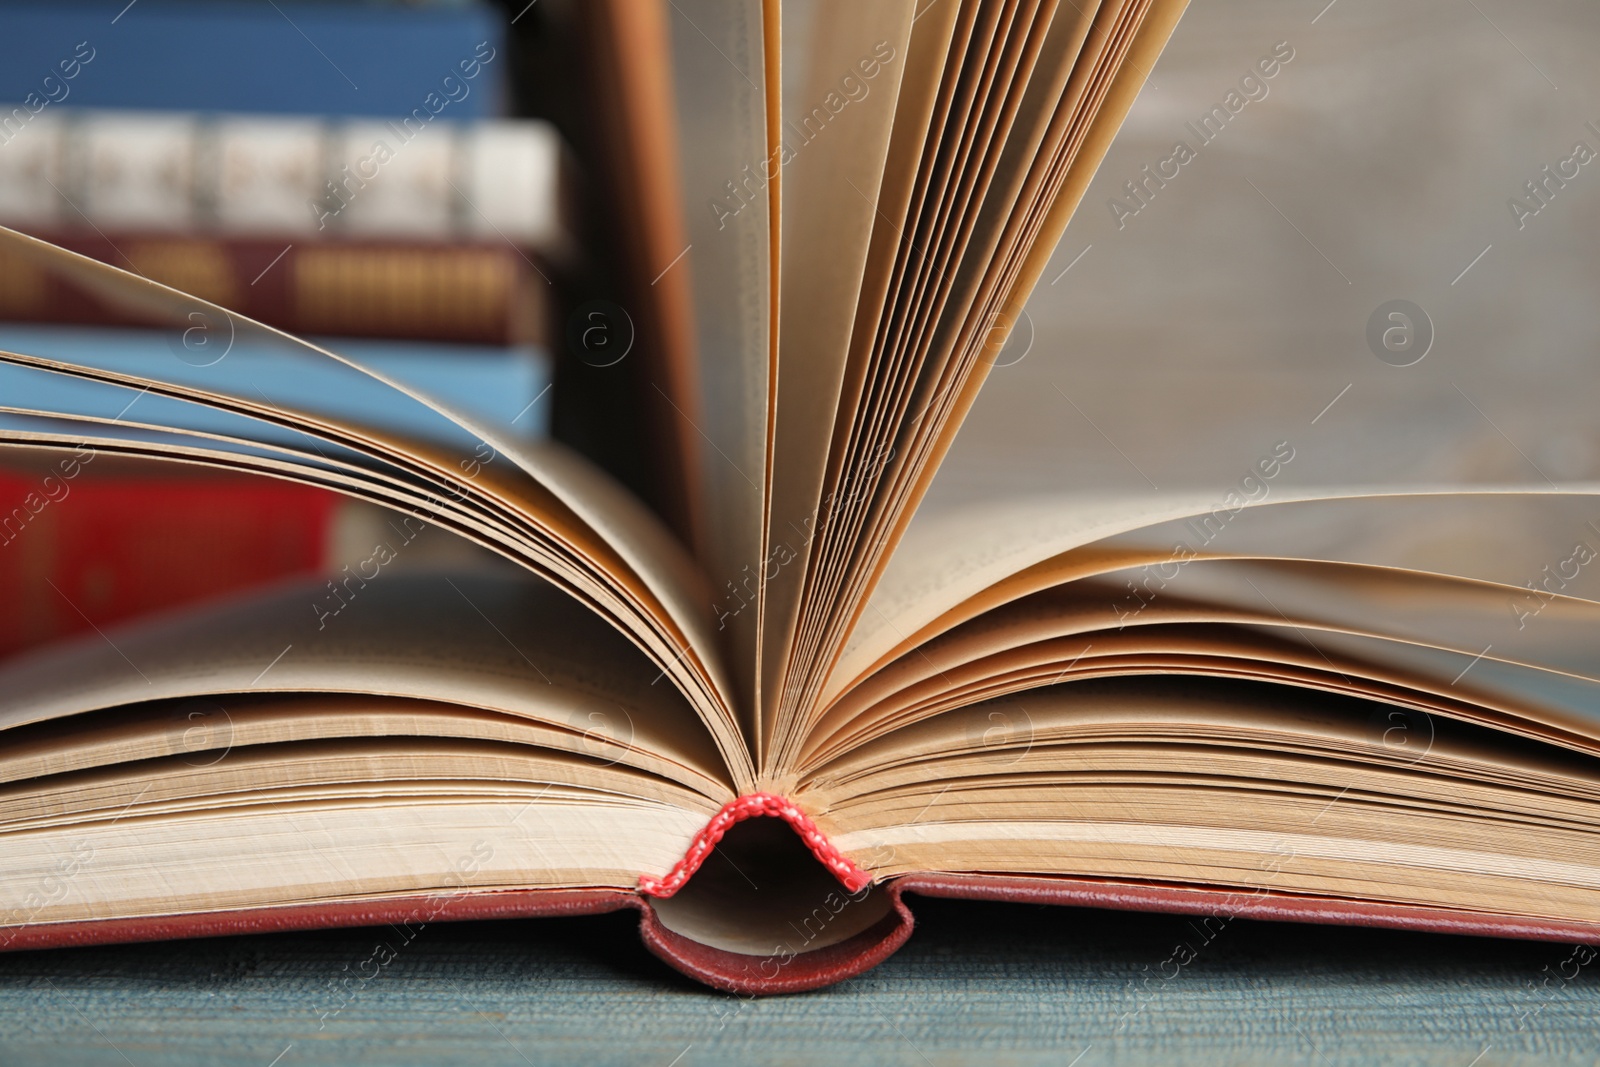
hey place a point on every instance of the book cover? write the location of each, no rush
(477, 293)
(338, 58)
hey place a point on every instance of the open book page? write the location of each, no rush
(529, 833)
(1222, 784)
(491, 641)
(720, 85)
(567, 520)
(924, 94)
(613, 594)
(1504, 536)
(958, 564)
(297, 773)
(202, 731)
(936, 333)
(1200, 336)
(45, 403)
(835, 141)
(1418, 640)
(1166, 709)
(1126, 40)
(38, 442)
(981, 72)
(1141, 556)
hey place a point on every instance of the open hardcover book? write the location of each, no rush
(763, 719)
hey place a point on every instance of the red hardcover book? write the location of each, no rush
(796, 962)
(478, 293)
(1230, 704)
(81, 549)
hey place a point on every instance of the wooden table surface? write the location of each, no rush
(987, 983)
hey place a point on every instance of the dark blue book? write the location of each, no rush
(339, 58)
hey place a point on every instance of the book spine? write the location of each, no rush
(469, 293)
(420, 176)
(80, 550)
(749, 806)
(375, 59)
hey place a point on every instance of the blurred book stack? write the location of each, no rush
(345, 172)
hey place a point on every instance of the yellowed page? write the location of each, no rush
(514, 646)
(203, 731)
(563, 496)
(719, 81)
(395, 769)
(1224, 785)
(980, 43)
(294, 854)
(1409, 638)
(836, 141)
(1091, 103)
(946, 561)
(1164, 714)
(943, 378)
(631, 85)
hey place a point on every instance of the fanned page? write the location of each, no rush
(1004, 112)
(539, 506)
(832, 156)
(718, 55)
(533, 733)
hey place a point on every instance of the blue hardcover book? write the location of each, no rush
(506, 389)
(336, 58)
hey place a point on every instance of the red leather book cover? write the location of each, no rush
(792, 972)
(410, 290)
(81, 547)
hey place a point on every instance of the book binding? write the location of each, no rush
(751, 805)
(748, 975)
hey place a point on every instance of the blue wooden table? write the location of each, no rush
(978, 983)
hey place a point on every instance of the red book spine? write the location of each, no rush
(80, 550)
(749, 806)
(468, 293)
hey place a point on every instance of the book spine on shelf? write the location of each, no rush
(501, 387)
(88, 540)
(79, 549)
(469, 293)
(341, 57)
(420, 176)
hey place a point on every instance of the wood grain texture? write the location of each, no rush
(993, 983)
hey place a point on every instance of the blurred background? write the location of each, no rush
(1221, 309)
(402, 183)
